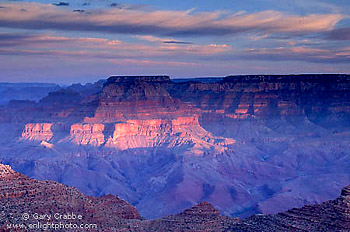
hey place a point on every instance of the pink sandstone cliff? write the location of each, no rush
(176, 133)
(37, 131)
(87, 134)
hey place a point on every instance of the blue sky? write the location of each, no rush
(86, 40)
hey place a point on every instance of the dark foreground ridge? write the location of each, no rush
(21, 195)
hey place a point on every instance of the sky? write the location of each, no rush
(86, 40)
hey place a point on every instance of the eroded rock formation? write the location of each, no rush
(144, 116)
(176, 133)
(143, 97)
(37, 131)
(202, 217)
(263, 96)
(182, 132)
(87, 134)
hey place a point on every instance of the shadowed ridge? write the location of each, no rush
(201, 217)
(20, 194)
(333, 215)
(346, 192)
(203, 209)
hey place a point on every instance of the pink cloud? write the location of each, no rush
(44, 16)
(273, 21)
(128, 62)
(73, 48)
(300, 53)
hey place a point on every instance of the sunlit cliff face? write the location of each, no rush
(138, 112)
(37, 131)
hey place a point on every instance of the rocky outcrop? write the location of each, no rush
(6, 172)
(332, 215)
(20, 194)
(141, 97)
(202, 217)
(46, 144)
(37, 131)
(87, 134)
(182, 132)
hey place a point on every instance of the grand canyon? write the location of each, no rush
(175, 116)
(152, 153)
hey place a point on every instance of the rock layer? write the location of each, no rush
(145, 97)
(37, 131)
(87, 134)
(263, 96)
(176, 133)
(182, 132)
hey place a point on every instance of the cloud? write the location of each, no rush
(156, 63)
(338, 34)
(117, 5)
(47, 41)
(161, 22)
(299, 53)
(161, 40)
(79, 11)
(176, 42)
(61, 4)
(73, 48)
(13, 36)
(101, 48)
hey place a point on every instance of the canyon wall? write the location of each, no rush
(263, 96)
(37, 131)
(87, 134)
(181, 132)
(177, 133)
(124, 98)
